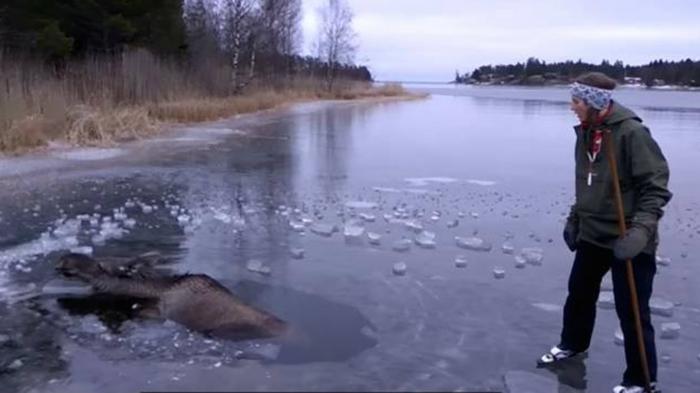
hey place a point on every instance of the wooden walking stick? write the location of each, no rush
(630, 272)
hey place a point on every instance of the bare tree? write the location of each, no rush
(336, 40)
(236, 27)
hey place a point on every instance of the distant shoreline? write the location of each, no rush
(620, 85)
(560, 85)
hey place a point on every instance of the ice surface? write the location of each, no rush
(606, 300)
(264, 351)
(555, 308)
(527, 382)
(481, 182)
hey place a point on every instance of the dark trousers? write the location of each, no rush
(590, 265)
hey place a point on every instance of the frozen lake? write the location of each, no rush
(402, 182)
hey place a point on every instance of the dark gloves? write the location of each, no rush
(634, 241)
(570, 235)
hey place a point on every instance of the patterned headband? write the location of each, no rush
(592, 96)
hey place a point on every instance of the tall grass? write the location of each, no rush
(98, 101)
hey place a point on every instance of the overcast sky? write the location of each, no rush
(427, 40)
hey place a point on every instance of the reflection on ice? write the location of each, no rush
(425, 181)
(89, 154)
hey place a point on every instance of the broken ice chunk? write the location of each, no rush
(532, 255)
(425, 239)
(520, 262)
(87, 250)
(367, 217)
(402, 245)
(670, 330)
(257, 266)
(297, 253)
(374, 238)
(461, 261)
(661, 307)
(413, 225)
(297, 226)
(353, 234)
(360, 205)
(453, 224)
(663, 261)
(499, 273)
(399, 268)
(619, 337)
(508, 248)
(473, 243)
(326, 230)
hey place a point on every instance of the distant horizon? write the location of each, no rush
(443, 81)
(429, 42)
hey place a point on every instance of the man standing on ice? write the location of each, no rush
(592, 228)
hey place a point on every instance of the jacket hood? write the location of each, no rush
(619, 114)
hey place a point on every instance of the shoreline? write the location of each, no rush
(59, 154)
(86, 127)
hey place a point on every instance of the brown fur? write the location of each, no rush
(196, 301)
